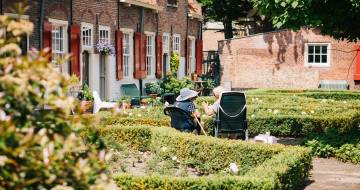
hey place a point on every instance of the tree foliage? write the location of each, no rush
(39, 148)
(225, 11)
(339, 19)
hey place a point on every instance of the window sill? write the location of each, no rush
(172, 5)
(310, 65)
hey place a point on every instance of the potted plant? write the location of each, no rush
(125, 102)
(105, 48)
(209, 85)
(86, 99)
(153, 89)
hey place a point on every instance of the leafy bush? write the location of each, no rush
(86, 94)
(153, 88)
(38, 147)
(172, 84)
(344, 147)
(174, 62)
(262, 166)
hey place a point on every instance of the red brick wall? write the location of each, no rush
(96, 13)
(211, 38)
(276, 60)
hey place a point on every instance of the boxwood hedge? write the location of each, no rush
(262, 166)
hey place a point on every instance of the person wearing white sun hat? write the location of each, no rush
(185, 102)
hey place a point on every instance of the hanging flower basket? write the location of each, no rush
(105, 48)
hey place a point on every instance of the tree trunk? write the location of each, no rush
(228, 29)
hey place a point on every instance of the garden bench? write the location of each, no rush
(132, 91)
(334, 84)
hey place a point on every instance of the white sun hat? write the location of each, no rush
(186, 94)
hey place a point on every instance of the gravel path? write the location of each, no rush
(330, 174)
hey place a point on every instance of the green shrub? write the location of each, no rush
(262, 166)
(38, 147)
(344, 147)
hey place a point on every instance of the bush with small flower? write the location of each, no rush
(39, 148)
(105, 48)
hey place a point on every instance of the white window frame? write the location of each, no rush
(177, 44)
(150, 57)
(192, 56)
(104, 39)
(166, 49)
(129, 32)
(25, 17)
(64, 25)
(91, 38)
(306, 55)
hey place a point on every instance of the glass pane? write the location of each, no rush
(311, 59)
(324, 59)
(317, 58)
(317, 49)
(324, 49)
(311, 49)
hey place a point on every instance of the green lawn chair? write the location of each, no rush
(132, 91)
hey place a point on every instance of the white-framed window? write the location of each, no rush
(104, 34)
(150, 54)
(192, 58)
(59, 41)
(176, 43)
(87, 35)
(166, 50)
(317, 54)
(128, 52)
(126, 55)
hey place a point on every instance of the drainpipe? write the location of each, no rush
(141, 40)
(187, 62)
(41, 23)
(118, 15)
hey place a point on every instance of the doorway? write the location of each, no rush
(86, 60)
(102, 77)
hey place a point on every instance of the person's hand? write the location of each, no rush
(197, 114)
(205, 105)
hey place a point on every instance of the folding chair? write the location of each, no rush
(231, 116)
(98, 104)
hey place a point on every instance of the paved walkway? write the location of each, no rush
(330, 174)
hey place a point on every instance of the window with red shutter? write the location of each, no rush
(119, 54)
(137, 71)
(199, 56)
(47, 37)
(75, 49)
(159, 57)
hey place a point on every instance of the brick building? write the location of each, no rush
(143, 33)
(287, 59)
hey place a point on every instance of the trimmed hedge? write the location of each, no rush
(262, 166)
(344, 147)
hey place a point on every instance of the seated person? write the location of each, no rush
(212, 109)
(185, 102)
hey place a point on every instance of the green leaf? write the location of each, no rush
(294, 4)
(283, 4)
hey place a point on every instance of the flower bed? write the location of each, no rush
(261, 166)
(282, 114)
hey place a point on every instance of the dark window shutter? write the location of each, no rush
(47, 37)
(199, 56)
(119, 54)
(143, 56)
(74, 31)
(357, 63)
(137, 71)
(159, 57)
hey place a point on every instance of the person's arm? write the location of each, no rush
(208, 110)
